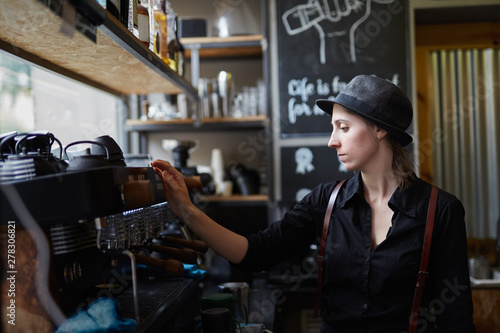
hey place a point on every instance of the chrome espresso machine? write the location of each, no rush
(75, 229)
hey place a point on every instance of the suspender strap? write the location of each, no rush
(422, 274)
(324, 233)
(426, 249)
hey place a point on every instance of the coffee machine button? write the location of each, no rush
(77, 270)
(68, 274)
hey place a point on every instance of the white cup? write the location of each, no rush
(217, 162)
(228, 188)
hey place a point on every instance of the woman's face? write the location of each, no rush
(354, 138)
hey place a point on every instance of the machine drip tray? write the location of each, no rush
(158, 299)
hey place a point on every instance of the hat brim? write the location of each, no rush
(404, 138)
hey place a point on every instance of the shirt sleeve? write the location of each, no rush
(450, 296)
(294, 232)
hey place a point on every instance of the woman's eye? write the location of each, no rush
(344, 128)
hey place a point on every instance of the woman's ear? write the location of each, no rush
(380, 133)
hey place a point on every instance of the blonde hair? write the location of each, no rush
(401, 165)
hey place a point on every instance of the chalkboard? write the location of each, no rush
(305, 167)
(323, 44)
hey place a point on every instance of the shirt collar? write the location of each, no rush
(409, 200)
(352, 187)
(404, 201)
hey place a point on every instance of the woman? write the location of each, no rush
(376, 230)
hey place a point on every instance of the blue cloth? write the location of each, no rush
(194, 272)
(190, 271)
(100, 317)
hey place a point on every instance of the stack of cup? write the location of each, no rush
(239, 290)
(218, 173)
(217, 313)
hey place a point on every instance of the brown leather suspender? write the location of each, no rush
(422, 274)
(326, 223)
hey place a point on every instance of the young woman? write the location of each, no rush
(376, 231)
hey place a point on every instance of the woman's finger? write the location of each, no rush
(158, 171)
(161, 164)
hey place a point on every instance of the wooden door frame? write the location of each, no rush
(433, 37)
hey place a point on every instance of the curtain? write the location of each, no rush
(466, 133)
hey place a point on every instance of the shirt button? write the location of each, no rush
(365, 306)
(367, 259)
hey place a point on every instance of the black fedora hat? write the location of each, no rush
(378, 101)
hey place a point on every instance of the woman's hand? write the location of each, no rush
(174, 187)
(226, 243)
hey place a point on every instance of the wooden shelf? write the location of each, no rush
(222, 42)
(117, 63)
(207, 124)
(221, 47)
(224, 47)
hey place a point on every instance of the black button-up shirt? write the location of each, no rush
(371, 290)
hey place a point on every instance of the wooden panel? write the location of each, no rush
(221, 40)
(29, 312)
(227, 123)
(138, 122)
(221, 120)
(485, 247)
(456, 36)
(425, 143)
(255, 51)
(105, 62)
(233, 120)
(233, 46)
(438, 37)
(486, 304)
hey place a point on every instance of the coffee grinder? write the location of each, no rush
(180, 151)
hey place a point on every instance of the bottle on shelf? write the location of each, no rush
(119, 9)
(173, 48)
(181, 52)
(132, 18)
(113, 7)
(152, 21)
(160, 34)
(143, 22)
(124, 10)
(144, 110)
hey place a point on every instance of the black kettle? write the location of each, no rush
(42, 142)
(23, 162)
(24, 166)
(116, 157)
(7, 144)
(87, 160)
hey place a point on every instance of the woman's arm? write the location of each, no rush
(224, 242)
(451, 297)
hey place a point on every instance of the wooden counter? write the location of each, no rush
(486, 300)
(486, 309)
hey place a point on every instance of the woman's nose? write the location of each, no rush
(333, 142)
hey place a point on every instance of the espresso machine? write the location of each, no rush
(88, 226)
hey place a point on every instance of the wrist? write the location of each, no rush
(188, 212)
